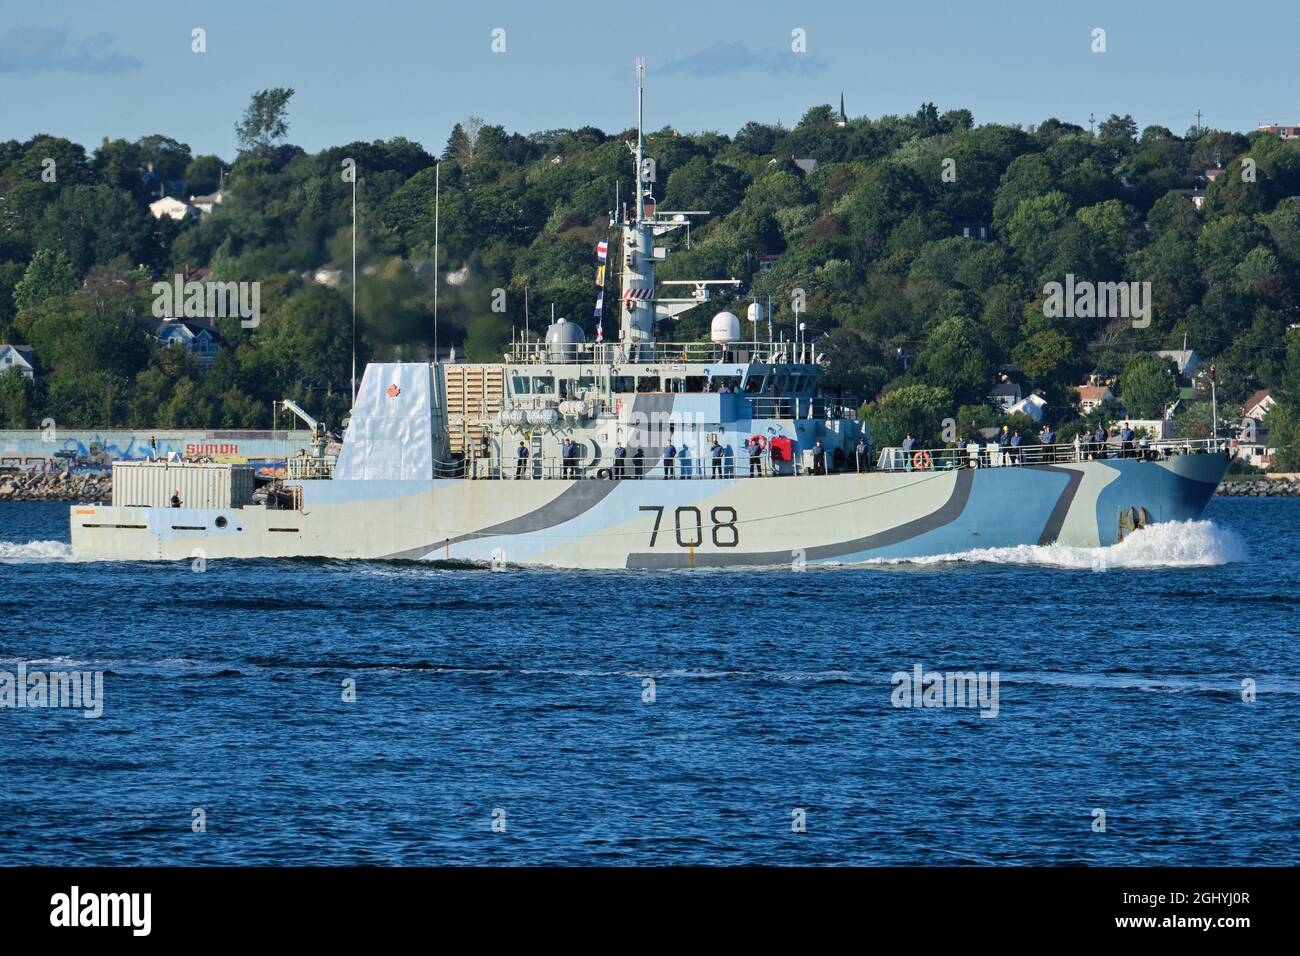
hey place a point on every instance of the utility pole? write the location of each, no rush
(1214, 408)
(1092, 119)
(1198, 122)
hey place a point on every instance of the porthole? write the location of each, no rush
(221, 521)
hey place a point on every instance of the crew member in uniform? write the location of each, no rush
(670, 455)
(521, 460)
(715, 450)
(861, 455)
(1126, 441)
(568, 451)
(819, 459)
(755, 458)
(620, 454)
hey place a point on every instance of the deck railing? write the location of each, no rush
(738, 464)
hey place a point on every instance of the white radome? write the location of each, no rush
(725, 328)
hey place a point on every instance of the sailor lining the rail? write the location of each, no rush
(862, 456)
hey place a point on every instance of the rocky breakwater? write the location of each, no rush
(55, 486)
(1281, 486)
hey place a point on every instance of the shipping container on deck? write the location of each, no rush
(149, 484)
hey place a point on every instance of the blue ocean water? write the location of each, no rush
(520, 696)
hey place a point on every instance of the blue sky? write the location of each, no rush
(412, 68)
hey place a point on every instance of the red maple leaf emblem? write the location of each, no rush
(394, 391)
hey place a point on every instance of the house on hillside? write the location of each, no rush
(973, 230)
(196, 336)
(1186, 360)
(330, 278)
(1161, 429)
(1093, 396)
(17, 357)
(1282, 132)
(171, 208)
(205, 204)
(1197, 196)
(1035, 406)
(1257, 405)
(1006, 395)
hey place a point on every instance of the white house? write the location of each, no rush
(331, 278)
(205, 204)
(1257, 405)
(196, 336)
(19, 357)
(171, 208)
(1161, 429)
(1093, 396)
(1032, 405)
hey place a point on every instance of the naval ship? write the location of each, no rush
(637, 453)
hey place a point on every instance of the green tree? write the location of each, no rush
(93, 225)
(487, 337)
(957, 358)
(48, 274)
(17, 399)
(1283, 424)
(266, 119)
(203, 175)
(1148, 386)
(915, 409)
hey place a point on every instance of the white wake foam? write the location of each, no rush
(35, 551)
(1175, 544)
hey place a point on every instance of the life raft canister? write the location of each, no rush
(921, 460)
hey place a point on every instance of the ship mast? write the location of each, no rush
(637, 304)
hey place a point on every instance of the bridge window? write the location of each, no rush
(624, 383)
(543, 385)
(647, 383)
(519, 385)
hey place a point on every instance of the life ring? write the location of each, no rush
(921, 461)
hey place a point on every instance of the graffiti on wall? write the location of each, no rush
(96, 451)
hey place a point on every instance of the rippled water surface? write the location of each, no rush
(523, 695)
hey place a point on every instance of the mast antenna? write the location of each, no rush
(354, 286)
(640, 192)
(437, 189)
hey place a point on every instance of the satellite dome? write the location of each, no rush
(562, 339)
(725, 328)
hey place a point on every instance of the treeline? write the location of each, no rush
(915, 318)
